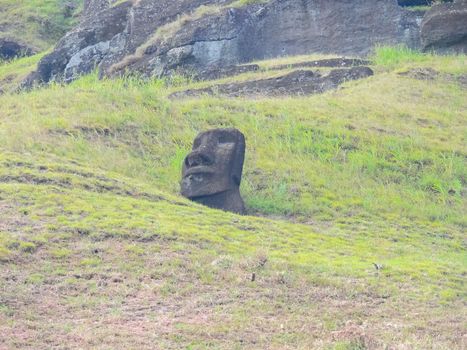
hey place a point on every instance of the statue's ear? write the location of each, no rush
(239, 159)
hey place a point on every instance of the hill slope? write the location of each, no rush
(37, 23)
(98, 250)
(35, 26)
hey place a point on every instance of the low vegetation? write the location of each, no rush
(14, 72)
(354, 239)
(38, 23)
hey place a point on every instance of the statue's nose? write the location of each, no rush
(198, 158)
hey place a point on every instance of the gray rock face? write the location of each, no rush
(82, 49)
(341, 26)
(444, 28)
(85, 60)
(158, 37)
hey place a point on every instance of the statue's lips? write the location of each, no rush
(199, 170)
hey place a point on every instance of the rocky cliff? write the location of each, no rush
(156, 37)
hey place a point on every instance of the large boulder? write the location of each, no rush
(444, 28)
(158, 37)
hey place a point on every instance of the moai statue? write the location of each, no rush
(212, 172)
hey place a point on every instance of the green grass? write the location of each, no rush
(372, 173)
(401, 57)
(12, 73)
(38, 23)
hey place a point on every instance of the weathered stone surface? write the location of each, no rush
(158, 37)
(444, 28)
(82, 49)
(212, 172)
(218, 73)
(10, 49)
(278, 28)
(338, 26)
(297, 83)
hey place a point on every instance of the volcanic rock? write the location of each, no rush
(297, 83)
(444, 28)
(159, 37)
(218, 73)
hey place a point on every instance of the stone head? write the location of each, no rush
(215, 164)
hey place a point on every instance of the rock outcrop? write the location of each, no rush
(444, 28)
(296, 83)
(84, 48)
(157, 37)
(10, 49)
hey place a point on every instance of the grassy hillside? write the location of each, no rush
(14, 72)
(38, 23)
(98, 250)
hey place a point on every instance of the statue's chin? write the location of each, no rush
(194, 193)
(193, 190)
(195, 196)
